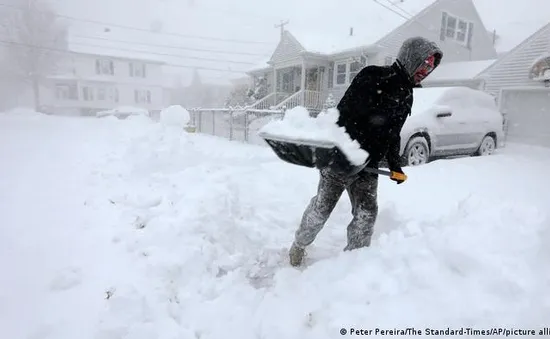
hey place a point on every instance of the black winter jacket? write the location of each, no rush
(374, 109)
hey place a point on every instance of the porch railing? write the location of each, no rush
(266, 102)
(309, 99)
(270, 100)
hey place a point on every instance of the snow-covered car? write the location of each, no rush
(450, 121)
(123, 112)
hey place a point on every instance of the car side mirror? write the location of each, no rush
(444, 114)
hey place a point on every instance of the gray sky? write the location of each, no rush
(221, 22)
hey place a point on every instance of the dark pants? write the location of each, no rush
(362, 190)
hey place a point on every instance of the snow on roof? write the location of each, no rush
(371, 20)
(514, 21)
(263, 65)
(459, 70)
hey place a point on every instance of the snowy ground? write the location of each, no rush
(126, 229)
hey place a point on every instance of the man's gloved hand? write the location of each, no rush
(397, 175)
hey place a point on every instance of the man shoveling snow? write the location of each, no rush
(372, 111)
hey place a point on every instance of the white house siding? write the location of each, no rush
(114, 86)
(287, 49)
(88, 98)
(513, 69)
(428, 24)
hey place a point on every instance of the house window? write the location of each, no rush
(455, 28)
(101, 93)
(107, 94)
(65, 91)
(462, 31)
(451, 27)
(138, 70)
(330, 75)
(341, 74)
(87, 93)
(112, 94)
(354, 69)
(104, 66)
(345, 72)
(142, 96)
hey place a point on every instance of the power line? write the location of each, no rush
(58, 50)
(102, 23)
(163, 54)
(400, 8)
(393, 11)
(169, 46)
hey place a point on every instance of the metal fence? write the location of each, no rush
(234, 124)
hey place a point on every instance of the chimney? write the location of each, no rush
(351, 31)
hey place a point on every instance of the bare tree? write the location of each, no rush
(34, 40)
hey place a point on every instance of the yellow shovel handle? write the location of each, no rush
(398, 176)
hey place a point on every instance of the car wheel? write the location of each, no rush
(487, 146)
(417, 152)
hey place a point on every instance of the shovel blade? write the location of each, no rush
(310, 153)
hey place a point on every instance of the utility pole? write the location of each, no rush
(282, 26)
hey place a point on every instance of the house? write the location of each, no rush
(521, 81)
(92, 82)
(509, 24)
(305, 68)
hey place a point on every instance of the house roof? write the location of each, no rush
(513, 21)
(326, 27)
(260, 67)
(459, 70)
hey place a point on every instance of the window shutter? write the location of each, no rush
(443, 26)
(470, 34)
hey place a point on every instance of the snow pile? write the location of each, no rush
(170, 230)
(23, 112)
(176, 116)
(298, 126)
(123, 111)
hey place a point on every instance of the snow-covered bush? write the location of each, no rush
(175, 116)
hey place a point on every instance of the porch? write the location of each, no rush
(303, 83)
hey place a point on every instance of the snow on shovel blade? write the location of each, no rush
(309, 153)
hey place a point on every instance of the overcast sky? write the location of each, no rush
(221, 23)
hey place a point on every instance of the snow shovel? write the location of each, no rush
(319, 154)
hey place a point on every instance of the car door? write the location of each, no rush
(447, 132)
(471, 127)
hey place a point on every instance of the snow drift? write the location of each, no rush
(157, 233)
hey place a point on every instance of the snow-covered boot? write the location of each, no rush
(296, 254)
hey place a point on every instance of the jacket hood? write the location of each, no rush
(415, 51)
